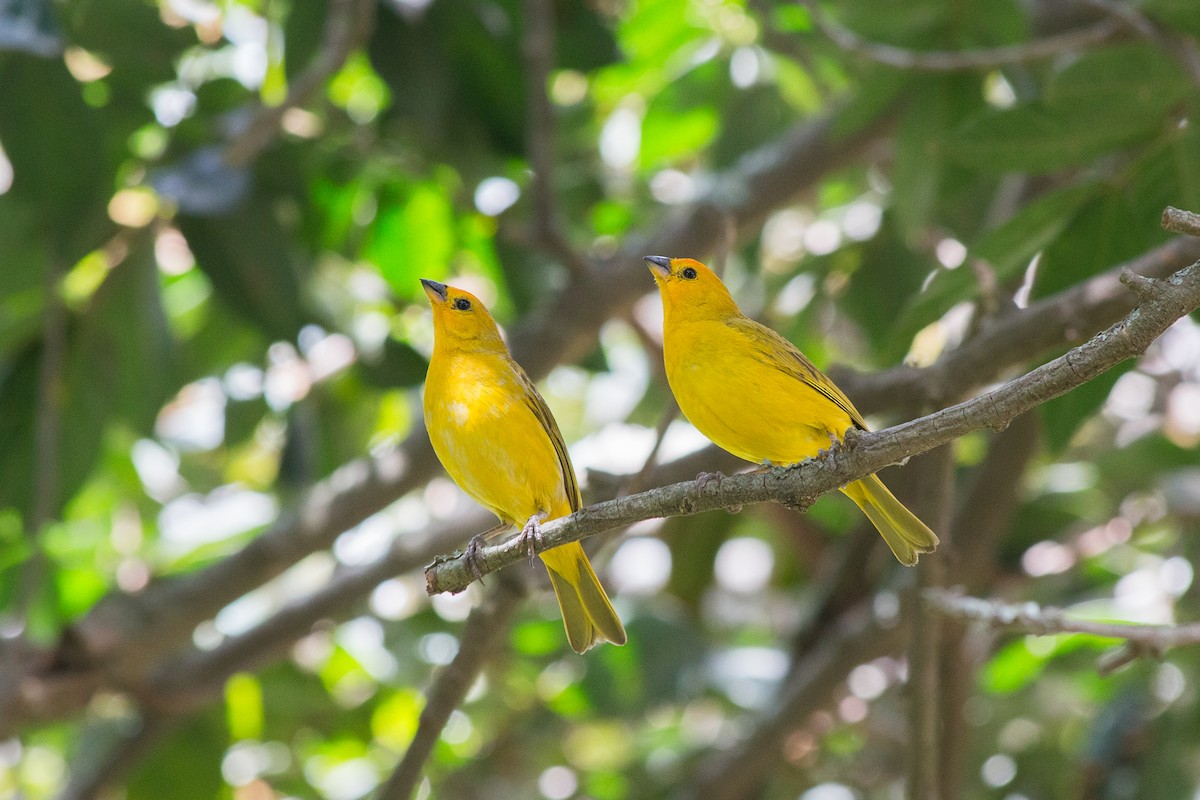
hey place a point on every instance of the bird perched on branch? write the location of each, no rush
(496, 437)
(755, 394)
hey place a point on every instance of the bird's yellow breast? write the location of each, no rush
(489, 439)
(740, 398)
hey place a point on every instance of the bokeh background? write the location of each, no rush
(216, 495)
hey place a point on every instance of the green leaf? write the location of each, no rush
(1179, 14)
(188, 761)
(886, 277)
(61, 160)
(250, 259)
(117, 366)
(929, 190)
(1008, 249)
(1035, 139)
(1098, 103)
(413, 236)
(303, 31)
(1139, 81)
(123, 350)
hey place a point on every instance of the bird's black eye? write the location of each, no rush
(462, 304)
(689, 273)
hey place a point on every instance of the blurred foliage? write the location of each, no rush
(184, 343)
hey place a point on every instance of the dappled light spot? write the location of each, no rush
(748, 675)
(558, 782)
(1169, 683)
(641, 566)
(830, 791)
(6, 171)
(822, 237)
(744, 565)
(397, 599)
(1047, 558)
(852, 709)
(337, 779)
(867, 681)
(365, 542)
(1019, 734)
(861, 220)
(1132, 396)
(998, 770)
(495, 195)
(455, 607)
(438, 648)
(621, 136)
(745, 67)
(134, 207)
(672, 186)
(568, 87)
(951, 253)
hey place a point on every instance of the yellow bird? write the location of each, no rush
(496, 437)
(754, 393)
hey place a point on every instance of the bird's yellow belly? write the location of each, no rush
(494, 449)
(744, 406)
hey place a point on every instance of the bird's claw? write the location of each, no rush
(531, 537)
(705, 478)
(472, 556)
(830, 453)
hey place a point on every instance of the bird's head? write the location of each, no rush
(689, 289)
(460, 319)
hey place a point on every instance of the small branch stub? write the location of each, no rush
(1177, 220)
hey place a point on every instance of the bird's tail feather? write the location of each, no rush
(586, 611)
(904, 533)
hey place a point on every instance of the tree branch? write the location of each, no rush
(347, 26)
(925, 699)
(1179, 221)
(481, 637)
(537, 51)
(863, 453)
(188, 681)
(959, 60)
(1034, 619)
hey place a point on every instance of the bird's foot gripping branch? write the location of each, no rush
(1161, 303)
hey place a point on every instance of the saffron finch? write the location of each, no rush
(496, 437)
(753, 393)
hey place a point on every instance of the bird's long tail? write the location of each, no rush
(586, 611)
(904, 533)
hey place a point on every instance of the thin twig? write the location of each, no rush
(347, 26)
(959, 60)
(537, 51)
(868, 452)
(1032, 618)
(486, 628)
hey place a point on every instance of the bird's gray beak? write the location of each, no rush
(660, 264)
(435, 290)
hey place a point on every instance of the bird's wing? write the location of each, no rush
(771, 348)
(533, 399)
